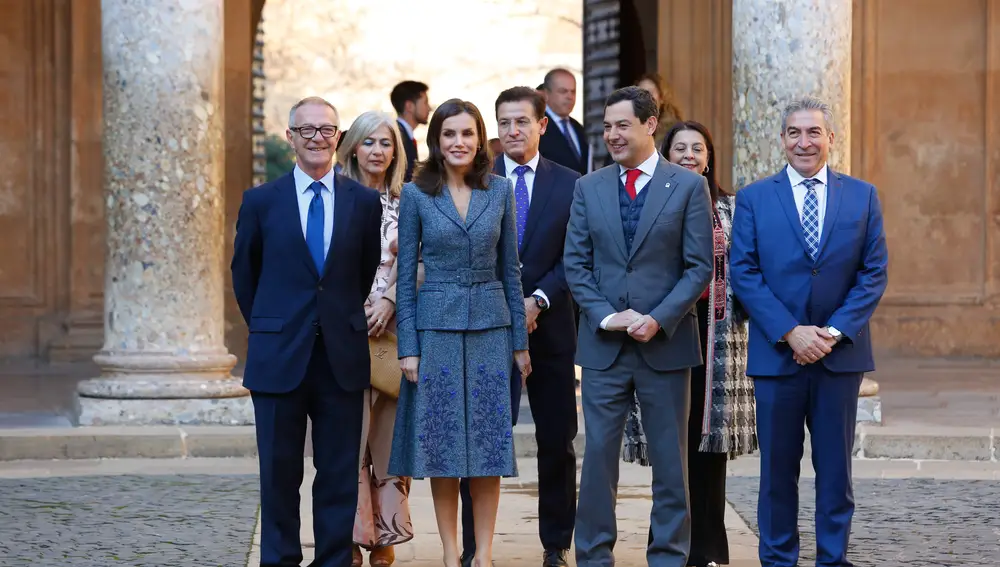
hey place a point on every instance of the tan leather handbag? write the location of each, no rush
(386, 373)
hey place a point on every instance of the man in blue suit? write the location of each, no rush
(543, 193)
(808, 262)
(307, 247)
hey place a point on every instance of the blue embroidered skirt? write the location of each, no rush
(456, 420)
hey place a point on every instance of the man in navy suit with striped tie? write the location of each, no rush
(307, 247)
(808, 262)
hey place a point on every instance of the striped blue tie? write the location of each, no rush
(810, 218)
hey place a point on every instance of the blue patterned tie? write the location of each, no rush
(521, 200)
(314, 226)
(810, 217)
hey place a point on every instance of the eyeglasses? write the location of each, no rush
(309, 132)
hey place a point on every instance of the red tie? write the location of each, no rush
(630, 177)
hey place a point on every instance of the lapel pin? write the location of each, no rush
(668, 185)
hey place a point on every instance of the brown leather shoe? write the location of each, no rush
(357, 560)
(382, 556)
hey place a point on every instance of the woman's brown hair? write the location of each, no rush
(430, 174)
(669, 111)
(714, 189)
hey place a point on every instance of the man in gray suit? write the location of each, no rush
(638, 255)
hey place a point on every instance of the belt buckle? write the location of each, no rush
(465, 278)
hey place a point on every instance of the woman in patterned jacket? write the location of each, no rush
(722, 424)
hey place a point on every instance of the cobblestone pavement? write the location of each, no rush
(103, 521)
(912, 522)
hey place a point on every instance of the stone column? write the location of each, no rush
(783, 50)
(164, 360)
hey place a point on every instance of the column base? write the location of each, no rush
(190, 411)
(870, 410)
(869, 403)
(164, 389)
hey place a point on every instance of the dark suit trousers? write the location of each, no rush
(664, 399)
(827, 403)
(336, 436)
(552, 397)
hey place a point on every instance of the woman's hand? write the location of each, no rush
(409, 365)
(379, 314)
(523, 360)
(394, 246)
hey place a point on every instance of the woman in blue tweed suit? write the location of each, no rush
(458, 335)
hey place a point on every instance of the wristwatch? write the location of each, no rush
(540, 302)
(837, 335)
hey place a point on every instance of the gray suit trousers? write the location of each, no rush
(664, 399)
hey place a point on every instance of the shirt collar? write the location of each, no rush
(303, 181)
(795, 178)
(510, 165)
(648, 167)
(556, 117)
(406, 127)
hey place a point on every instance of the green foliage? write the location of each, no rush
(280, 157)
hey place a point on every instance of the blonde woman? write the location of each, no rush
(370, 155)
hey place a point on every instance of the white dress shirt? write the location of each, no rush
(647, 169)
(799, 192)
(305, 196)
(529, 180)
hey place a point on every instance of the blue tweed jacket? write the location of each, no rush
(473, 276)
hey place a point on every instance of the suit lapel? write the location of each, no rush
(446, 205)
(557, 122)
(288, 202)
(787, 200)
(477, 205)
(607, 195)
(834, 193)
(658, 191)
(343, 210)
(541, 192)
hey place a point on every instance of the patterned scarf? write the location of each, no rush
(729, 423)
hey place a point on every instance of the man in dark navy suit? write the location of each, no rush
(543, 193)
(409, 98)
(808, 262)
(307, 247)
(564, 141)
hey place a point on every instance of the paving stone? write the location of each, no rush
(912, 522)
(102, 521)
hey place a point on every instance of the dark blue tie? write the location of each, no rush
(314, 226)
(569, 138)
(521, 200)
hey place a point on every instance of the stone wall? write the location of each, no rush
(353, 53)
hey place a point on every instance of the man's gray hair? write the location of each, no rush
(808, 103)
(311, 100)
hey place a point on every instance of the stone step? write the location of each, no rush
(113, 442)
